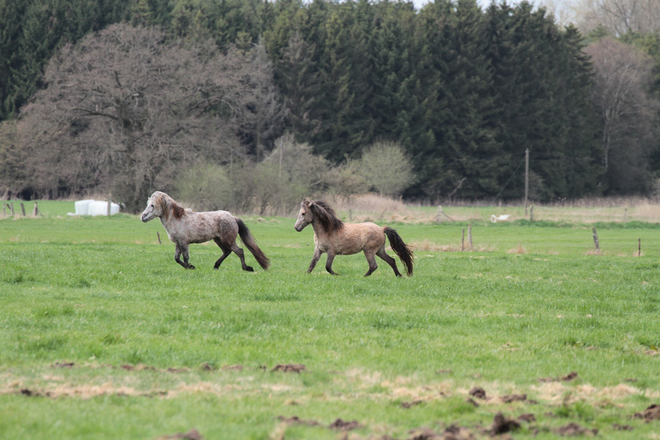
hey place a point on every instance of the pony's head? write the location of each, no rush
(304, 216)
(161, 205)
(154, 208)
(320, 211)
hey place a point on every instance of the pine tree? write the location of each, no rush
(11, 18)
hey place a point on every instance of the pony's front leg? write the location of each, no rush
(328, 263)
(182, 250)
(315, 259)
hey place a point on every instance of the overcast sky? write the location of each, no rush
(483, 3)
(560, 8)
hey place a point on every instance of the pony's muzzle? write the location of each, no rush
(147, 215)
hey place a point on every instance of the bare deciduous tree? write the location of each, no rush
(618, 16)
(125, 111)
(288, 175)
(622, 85)
(346, 180)
(387, 168)
(263, 115)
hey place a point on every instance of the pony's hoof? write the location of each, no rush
(191, 267)
(249, 269)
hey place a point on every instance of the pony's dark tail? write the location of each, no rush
(400, 248)
(251, 244)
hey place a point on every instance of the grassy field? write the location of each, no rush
(104, 336)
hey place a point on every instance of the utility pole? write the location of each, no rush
(281, 148)
(526, 178)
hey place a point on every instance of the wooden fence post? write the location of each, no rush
(639, 247)
(35, 211)
(11, 208)
(158, 234)
(531, 213)
(463, 241)
(23, 209)
(596, 240)
(109, 204)
(440, 214)
(470, 235)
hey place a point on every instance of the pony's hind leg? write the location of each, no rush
(389, 260)
(225, 253)
(182, 249)
(238, 251)
(371, 259)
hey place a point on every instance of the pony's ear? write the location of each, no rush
(305, 203)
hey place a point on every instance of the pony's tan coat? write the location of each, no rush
(334, 237)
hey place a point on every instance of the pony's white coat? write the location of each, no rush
(185, 226)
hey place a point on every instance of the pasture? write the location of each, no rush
(104, 336)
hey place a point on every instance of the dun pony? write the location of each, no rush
(335, 237)
(184, 226)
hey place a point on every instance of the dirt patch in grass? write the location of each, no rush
(344, 425)
(63, 365)
(411, 404)
(193, 434)
(502, 425)
(295, 420)
(573, 429)
(451, 432)
(289, 368)
(478, 392)
(85, 391)
(569, 377)
(650, 413)
(514, 398)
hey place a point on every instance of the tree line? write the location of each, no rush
(461, 91)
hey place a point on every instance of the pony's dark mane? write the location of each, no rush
(326, 216)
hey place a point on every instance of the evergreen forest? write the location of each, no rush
(463, 90)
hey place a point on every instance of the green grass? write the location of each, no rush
(102, 293)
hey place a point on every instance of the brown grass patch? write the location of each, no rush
(427, 245)
(517, 250)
